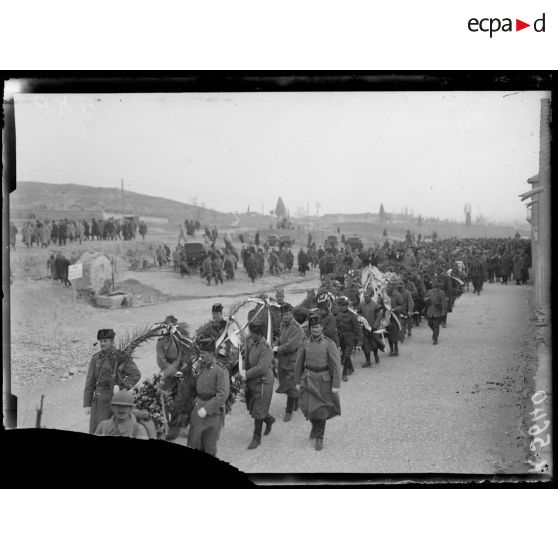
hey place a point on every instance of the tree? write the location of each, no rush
(385, 232)
(434, 235)
(382, 211)
(198, 209)
(419, 221)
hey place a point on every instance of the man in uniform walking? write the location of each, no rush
(372, 313)
(329, 323)
(436, 309)
(109, 371)
(212, 391)
(259, 382)
(350, 335)
(290, 337)
(317, 371)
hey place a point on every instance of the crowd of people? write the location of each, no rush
(309, 349)
(48, 232)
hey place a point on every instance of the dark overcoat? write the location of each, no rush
(317, 371)
(290, 339)
(259, 378)
(103, 374)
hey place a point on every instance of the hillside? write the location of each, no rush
(43, 195)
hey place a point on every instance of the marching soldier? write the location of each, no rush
(317, 372)
(212, 391)
(350, 335)
(106, 376)
(329, 323)
(169, 363)
(286, 348)
(259, 382)
(397, 307)
(372, 313)
(436, 309)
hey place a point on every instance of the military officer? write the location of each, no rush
(350, 334)
(285, 349)
(259, 382)
(317, 376)
(109, 371)
(212, 391)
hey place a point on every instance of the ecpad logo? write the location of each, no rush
(493, 25)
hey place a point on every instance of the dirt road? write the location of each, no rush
(452, 408)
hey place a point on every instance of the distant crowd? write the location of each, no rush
(47, 232)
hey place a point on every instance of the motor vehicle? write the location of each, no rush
(354, 242)
(285, 241)
(196, 252)
(331, 242)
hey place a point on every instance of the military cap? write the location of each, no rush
(171, 320)
(217, 307)
(123, 397)
(206, 344)
(280, 290)
(314, 319)
(105, 334)
(343, 301)
(286, 308)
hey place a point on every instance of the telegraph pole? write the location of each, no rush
(122, 198)
(308, 216)
(318, 222)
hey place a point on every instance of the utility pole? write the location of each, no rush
(122, 198)
(308, 216)
(318, 222)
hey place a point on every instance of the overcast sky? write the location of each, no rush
(431, 152)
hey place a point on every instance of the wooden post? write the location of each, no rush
(39, 413)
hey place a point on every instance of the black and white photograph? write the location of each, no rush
(295, 281)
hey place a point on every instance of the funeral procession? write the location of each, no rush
(287, 305)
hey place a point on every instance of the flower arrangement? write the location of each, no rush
(151, 398)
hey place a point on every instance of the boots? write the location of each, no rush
(289, 410)
(257, 438)
(269, 420)
(367, 364)
(319, 434)
(376, 357)
(295, 406)
(396, 351)
(313, 431)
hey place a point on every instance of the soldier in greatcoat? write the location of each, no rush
(350, 334)
(180, 388)
(436, 302)
(109, 371)
(372, 313)
(329, 322)
(397, 308)
(286, 347)
(212, 391)
(317, 376)
(259, 382)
